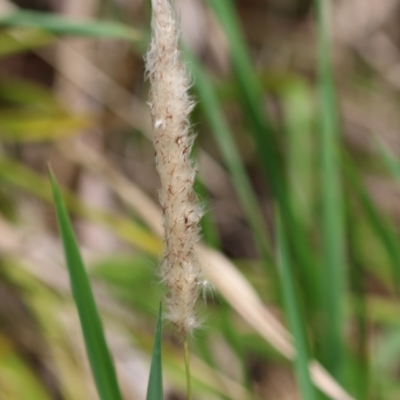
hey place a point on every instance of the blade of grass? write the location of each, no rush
(383, 228)
(252, 98)
(45, 302)
(24, 125)
(96, 347)
(61, 25)
(298, 123)
(295, 316)
(16, 174)
(17, 378)
(155, 385)
(187, 369)
(362, 379)
(251, 93)
(18, 40)
(224, 138)
(209, 228)
(23, 92)
(391, 163)
(333, 273)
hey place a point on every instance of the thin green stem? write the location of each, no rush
(187, 368)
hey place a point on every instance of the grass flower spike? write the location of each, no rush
(171, 105)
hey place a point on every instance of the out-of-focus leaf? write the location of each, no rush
(295, 316)
(58, 24)
(252, 99)
(132, 279)
(35, 114)
(22, 177)
(230, 153)
(298, 112)
(381, 225)
(96, 347)
(155, 386)
(28, 125)
(48, 308)
(333, 271)
(391, 162)
(22, 92)
(18, 40)
(387, 353)
(17, 381)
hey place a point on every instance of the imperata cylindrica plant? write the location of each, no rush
(170, 105)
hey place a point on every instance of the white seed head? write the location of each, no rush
(170, 105)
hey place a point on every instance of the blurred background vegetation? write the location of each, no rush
(299, 176)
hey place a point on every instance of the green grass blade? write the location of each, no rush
(297, 101)
(226, 144)
(155, 385)
(209, 230)
(18, 40)
(252, 98)
(391, 163)
(295, 316)
(15, 174)
(17, 378)
(384, 230)
(333, 273)
(61, 25)
(96, 347)
(251, 94)
(362, 378)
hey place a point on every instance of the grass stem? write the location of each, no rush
(187, 368)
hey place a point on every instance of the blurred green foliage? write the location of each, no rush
(332, 273)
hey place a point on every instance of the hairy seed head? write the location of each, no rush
(170, 105)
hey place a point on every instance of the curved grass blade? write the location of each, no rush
(61, 25)
(295, 316)
(155, 386)
(96, 347)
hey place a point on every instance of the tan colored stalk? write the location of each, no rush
(170, 105)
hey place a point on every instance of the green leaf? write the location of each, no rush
(155, 386)
(333, 271)
(17, 378)
(230, 153)
(34, 113)
(295, 315)
(252, 99)
(130, 278)
(15, 174)
(23, 92)
(383, 228)
(63, 26)
(360, 365)
(391, 162)
(17, 40)
(251, 94)
(30, 125)
(96, 347)
(298, 122)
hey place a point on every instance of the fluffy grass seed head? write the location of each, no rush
(170, 105)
